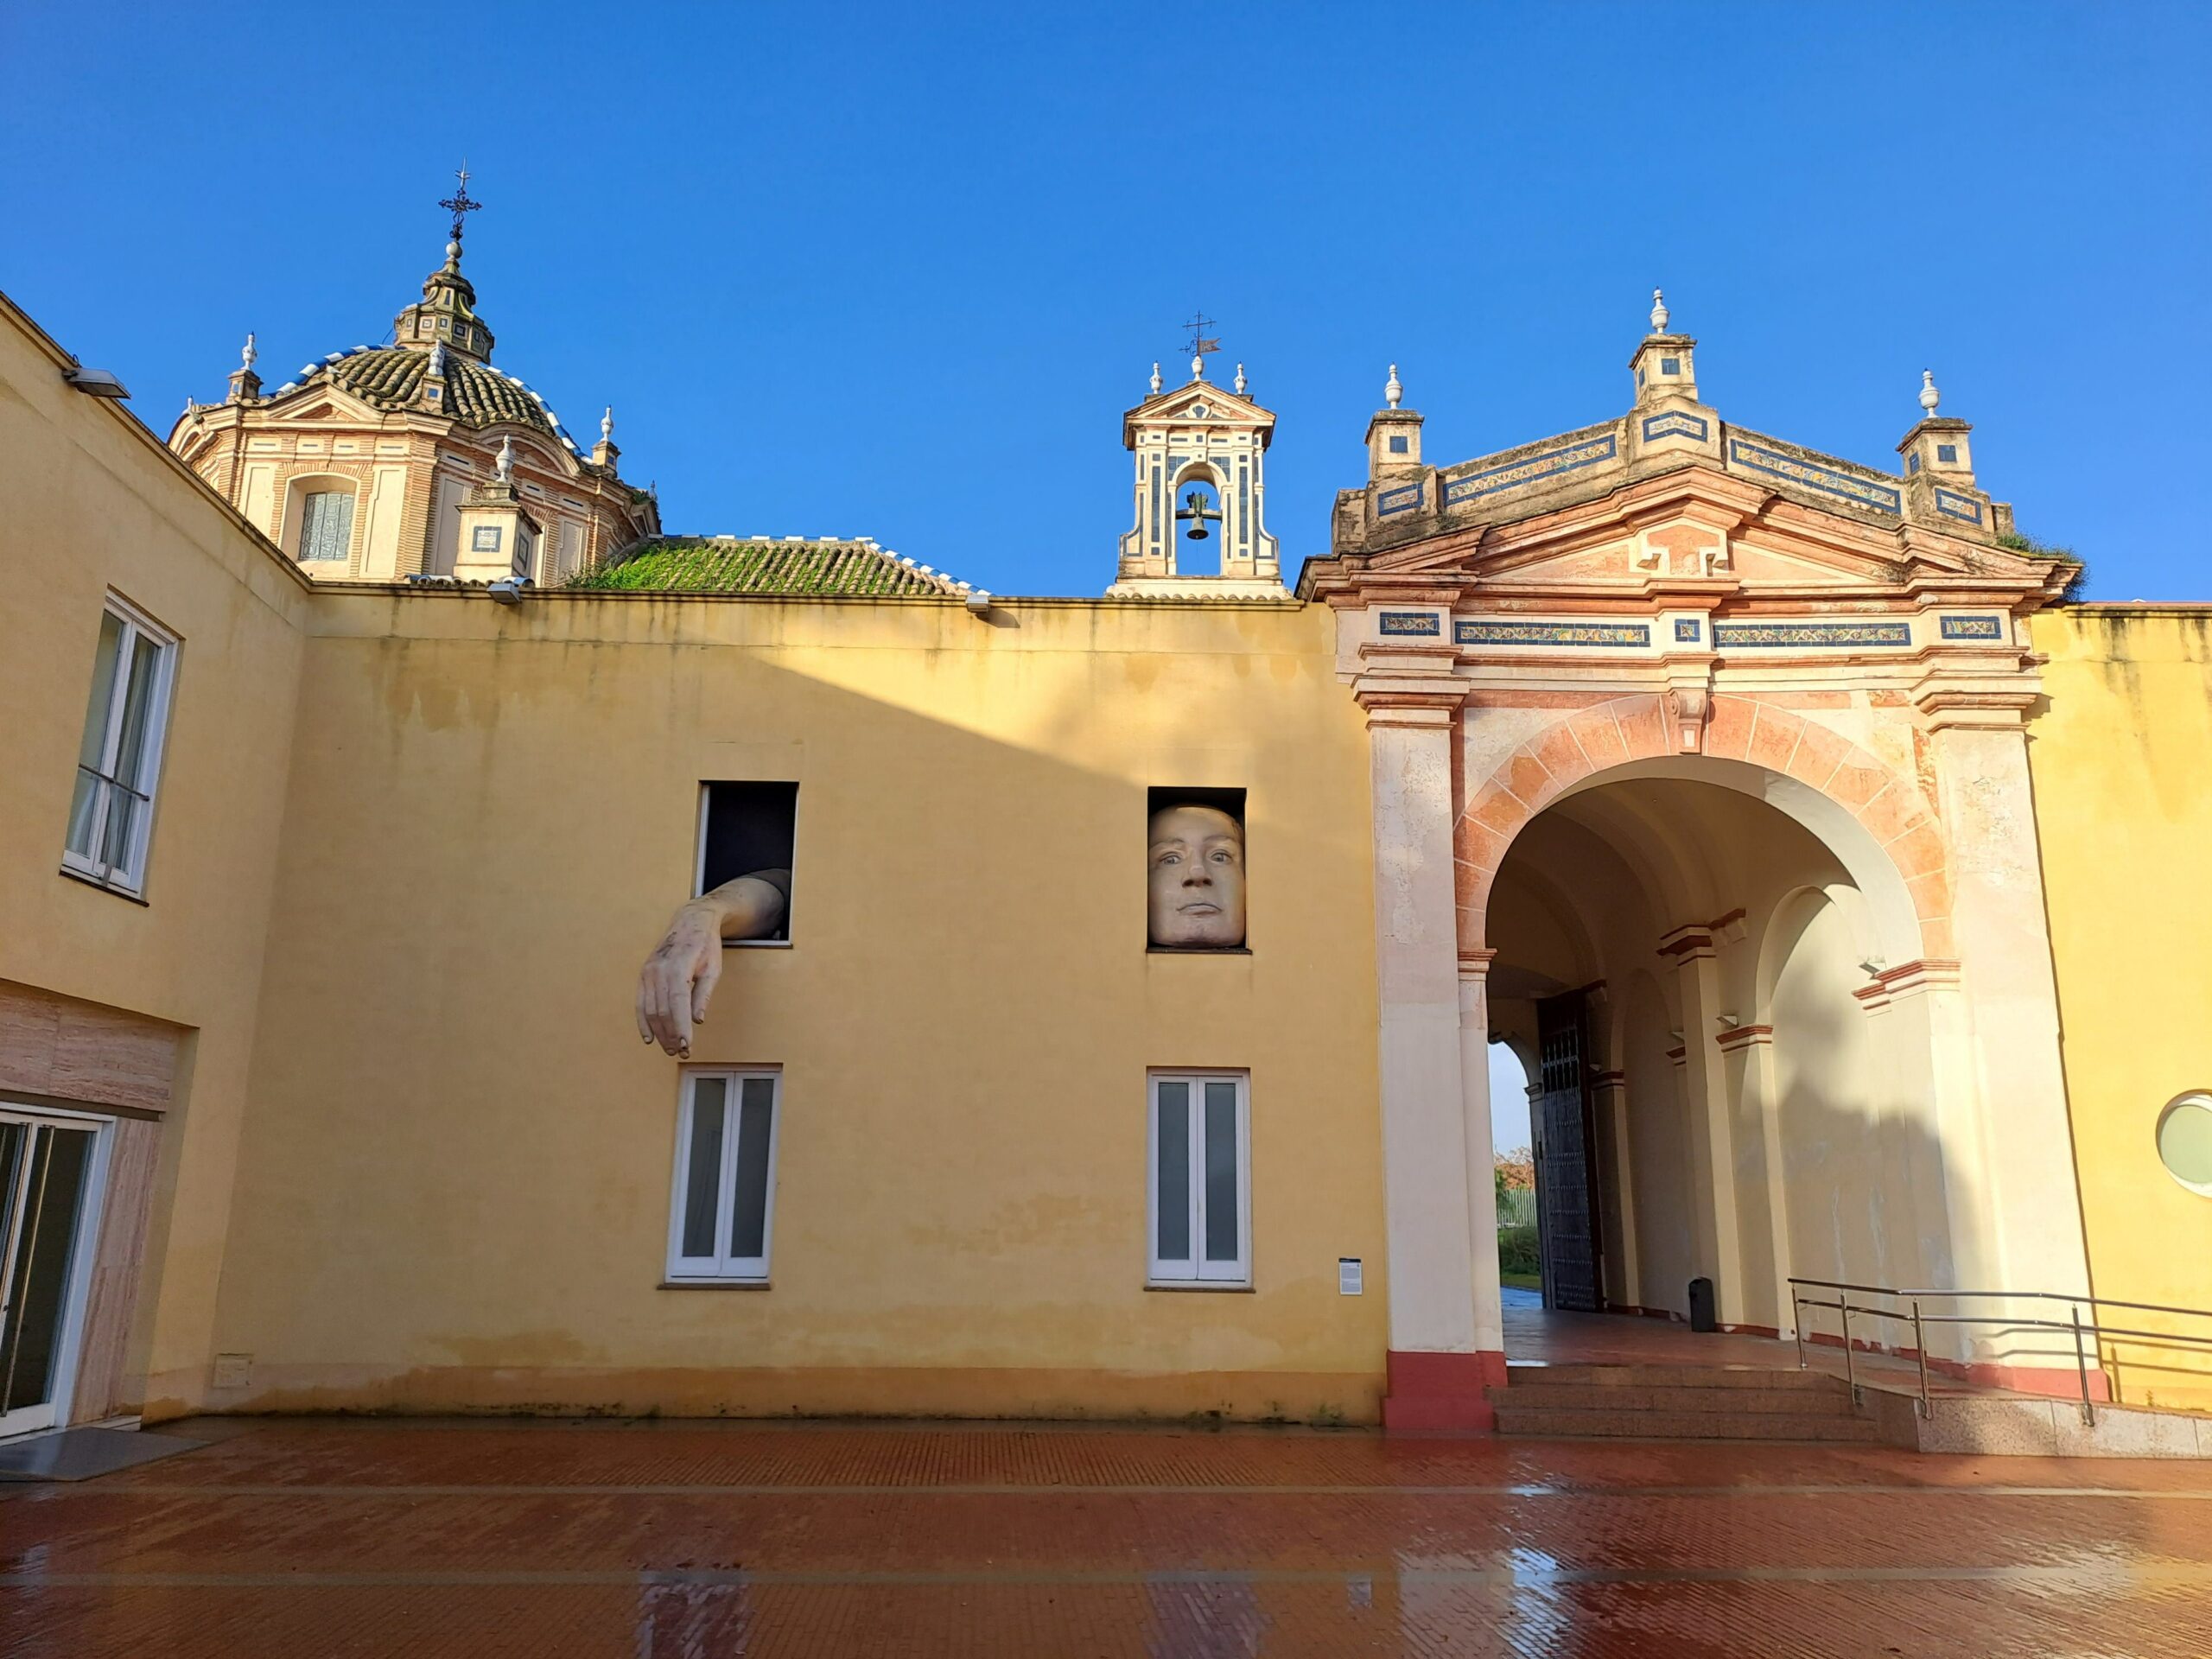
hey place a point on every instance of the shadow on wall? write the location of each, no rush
(445, 1056)
(1837, 1161)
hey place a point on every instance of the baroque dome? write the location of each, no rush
(439, 359)
(391, 377)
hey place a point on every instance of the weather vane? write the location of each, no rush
(461, 202)
(1200, 343)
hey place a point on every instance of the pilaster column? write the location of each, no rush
(1481, 1157)
(1713, 1155)
(2003, 945)
(1748, 1055)
(1609, 1092)
(2006, 1135)
(1437, 1369)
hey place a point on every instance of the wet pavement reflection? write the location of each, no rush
(309, 1538)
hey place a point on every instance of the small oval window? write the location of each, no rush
(2185, 1142)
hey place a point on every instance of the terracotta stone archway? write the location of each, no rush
(1619, 731)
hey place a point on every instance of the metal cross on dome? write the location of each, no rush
(461, 202)
(1199, 343)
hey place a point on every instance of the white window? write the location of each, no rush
(1201, 1221)
(724, 1209)
(326, 525)
(112, 809)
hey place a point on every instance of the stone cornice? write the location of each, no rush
(1408, 706)
(1903, 566)
(1689, 943)
(1909, 979)
(1953, 700)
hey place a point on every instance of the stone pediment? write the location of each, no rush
(320, 401)
(1199, 403)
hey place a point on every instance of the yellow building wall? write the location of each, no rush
(94, 503)
(2121, 757)
(455, 1188)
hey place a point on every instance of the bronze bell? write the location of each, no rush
(1195, 509)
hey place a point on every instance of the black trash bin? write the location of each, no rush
(1701, 1316)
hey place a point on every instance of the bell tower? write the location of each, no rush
(1200, 485)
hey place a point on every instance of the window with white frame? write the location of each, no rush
(724, 1208)
(1201, 1203)
(112, 810)
(326, 525)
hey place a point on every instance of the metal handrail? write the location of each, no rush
(2094, 1331)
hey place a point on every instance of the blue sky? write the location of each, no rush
(897, 270)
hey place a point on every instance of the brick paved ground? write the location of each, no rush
(317, 1539)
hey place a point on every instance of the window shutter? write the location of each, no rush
(327, 525)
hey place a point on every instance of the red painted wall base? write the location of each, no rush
(1431, 1391)
(2059, 1381)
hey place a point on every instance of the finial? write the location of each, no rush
(459, 203)
(1240, 379)
(1929, 396)
(1156, 378)
(1197, 368)
(1393, 391)
(607, 425)
(506, 465)
(246, 357)
(1658, 312)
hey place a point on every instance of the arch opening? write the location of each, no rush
(1202, 521)
(320, 511)
(1693, 950)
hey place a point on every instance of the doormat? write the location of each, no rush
(85, 1454)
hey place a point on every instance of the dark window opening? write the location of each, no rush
(750, 828)
(1195, 869)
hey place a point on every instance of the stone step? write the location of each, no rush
(1559, 1423)
(1583, 1397)
(1671, 1376)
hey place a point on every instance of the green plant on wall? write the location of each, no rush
(2077, 585)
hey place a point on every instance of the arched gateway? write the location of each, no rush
(1699, 776)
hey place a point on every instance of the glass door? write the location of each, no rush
(45, 1179)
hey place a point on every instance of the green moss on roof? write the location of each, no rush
(699, 564)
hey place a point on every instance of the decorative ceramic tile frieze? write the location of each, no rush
(1611, 635)
(1567, 459)
(1865, 491)
(1688, 631)
(1674, 423)
(1973, 627)
(1404, 499)
(1952, 505)
(1420, 624)
(1811, 635)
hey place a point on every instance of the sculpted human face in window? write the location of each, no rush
(1197, 861)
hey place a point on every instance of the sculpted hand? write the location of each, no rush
(678, 978)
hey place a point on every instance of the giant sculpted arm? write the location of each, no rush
(678, 978)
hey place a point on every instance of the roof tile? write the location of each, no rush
(709, 564)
